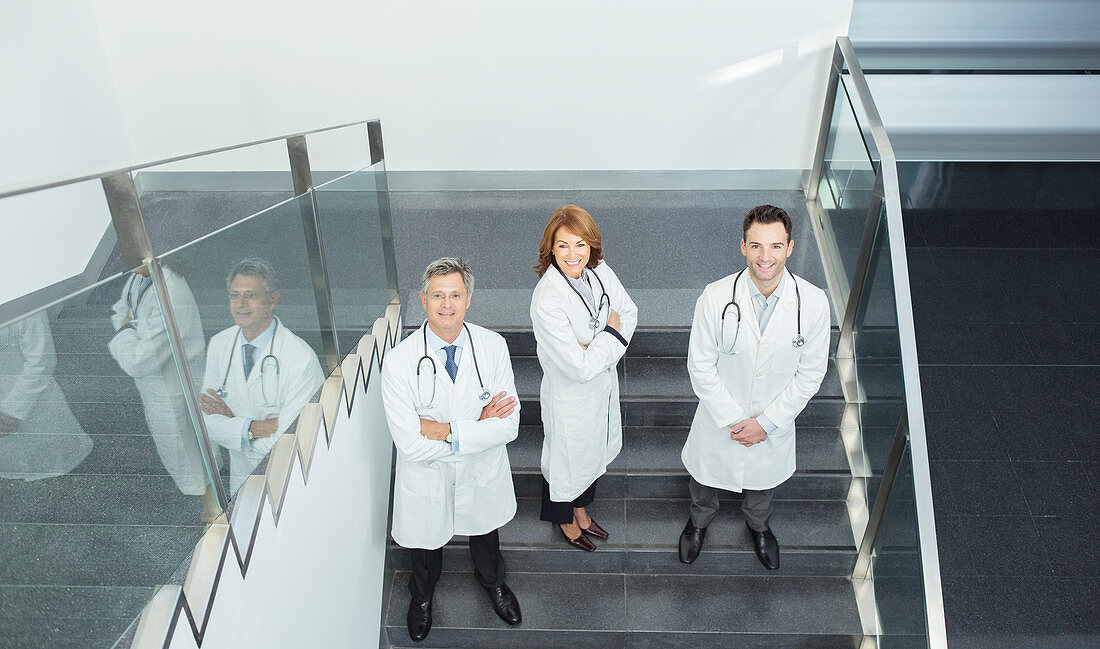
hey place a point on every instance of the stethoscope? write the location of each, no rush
(798, 341)
(594, 318)
(483, 393)
(265, 362)
(132, 301)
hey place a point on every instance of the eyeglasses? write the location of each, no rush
(247, 297)
(454, 297)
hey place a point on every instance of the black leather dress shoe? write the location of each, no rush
(691, 542)
(419, 619)
(767, 548)
(505, 604)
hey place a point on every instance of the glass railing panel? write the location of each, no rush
(252, 281)
(877, 351)
(55, 242)
(185, 200)
(338, 152)
(847, 180)
(102, 495)
(351, 214)
(899, 590)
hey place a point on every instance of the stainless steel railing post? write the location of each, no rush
(302, 177)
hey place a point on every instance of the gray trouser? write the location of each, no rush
(757, 506)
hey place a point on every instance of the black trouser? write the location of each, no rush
(428, 564)
(562, 513)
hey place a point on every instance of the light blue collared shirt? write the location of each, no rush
(261, 343)
(764, 308)
(439, 348)
(584, 287)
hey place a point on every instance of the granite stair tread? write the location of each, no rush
(640, 611)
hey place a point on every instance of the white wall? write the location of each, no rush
(316, 579)
(58, 116)
(712, 84)
(478, 85)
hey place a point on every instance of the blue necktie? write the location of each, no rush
(452, 367)
(249, 361)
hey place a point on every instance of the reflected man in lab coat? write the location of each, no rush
(451, 404)
(758, 351)
(39, 435)
(259, 375)
(141, 348)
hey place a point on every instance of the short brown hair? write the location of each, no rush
(766, 214)
(577, 221)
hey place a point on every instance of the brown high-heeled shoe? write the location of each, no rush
(595, 530)
(581, 542)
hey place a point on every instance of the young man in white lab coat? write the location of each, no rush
(758, 351)
(259, 375)
(451, 404)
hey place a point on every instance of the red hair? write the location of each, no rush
(577, 221)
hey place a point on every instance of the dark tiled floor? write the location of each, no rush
(1006, 309)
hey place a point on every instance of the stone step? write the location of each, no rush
(656, 449)
(815, 539)
(649, 377)
(803, 485)
(647, 341)
(64, 555)
(44, 632)
(99, 499)
(678, 411)
(649, 466)
(638, 611)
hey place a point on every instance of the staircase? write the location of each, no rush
(83, 552)
(633, 591)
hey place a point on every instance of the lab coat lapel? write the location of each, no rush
(784, 313)
(575, 305)
(748, 310)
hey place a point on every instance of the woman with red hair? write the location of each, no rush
(583, 320)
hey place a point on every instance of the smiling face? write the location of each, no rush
(571, 252)
(252, 306)
(445, 303)
(766, 246)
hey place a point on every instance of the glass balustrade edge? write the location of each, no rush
(95, 174)
(935, 625)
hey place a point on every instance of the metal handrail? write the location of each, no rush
(844, 57)
(103, 172)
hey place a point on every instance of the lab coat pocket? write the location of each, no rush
(583, 424)
(782, 360)
(421, 479)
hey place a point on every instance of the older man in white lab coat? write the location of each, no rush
(259, 375)
(758, 351)
(451, 404)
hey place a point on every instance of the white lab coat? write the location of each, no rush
(581, 422)
(438, 493)
(144, 353)
(299, 377)
(766, 375)
(48, 441)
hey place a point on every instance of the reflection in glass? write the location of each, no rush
(352, 223)
(847, 180)
(259, 374)
(141, 348)
(39, 436)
